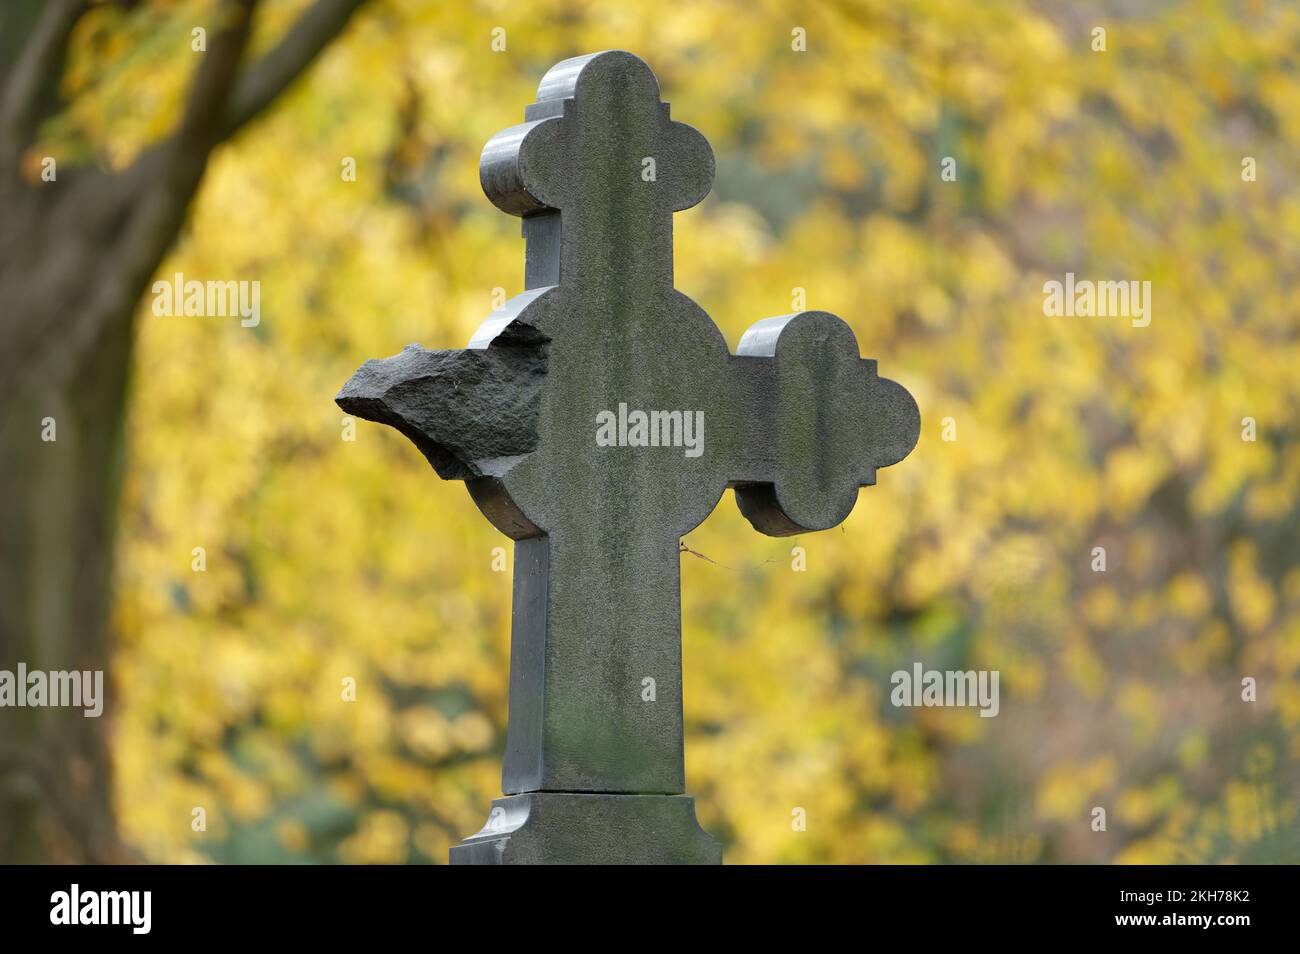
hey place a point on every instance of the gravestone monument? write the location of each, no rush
(598, 417)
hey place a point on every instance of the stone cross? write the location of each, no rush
(598, 417)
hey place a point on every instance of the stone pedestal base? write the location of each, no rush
(594, 829)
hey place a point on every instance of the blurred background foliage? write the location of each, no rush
(328, 559)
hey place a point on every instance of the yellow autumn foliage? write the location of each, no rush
(337, 566)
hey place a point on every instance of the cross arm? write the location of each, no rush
(811, 423)
(472, 413)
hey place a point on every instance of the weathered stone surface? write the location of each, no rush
(472, 413)
(795, 422)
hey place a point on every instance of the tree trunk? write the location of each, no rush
(58, 501)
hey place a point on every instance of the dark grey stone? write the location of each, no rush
(795, 422)
(420, 393)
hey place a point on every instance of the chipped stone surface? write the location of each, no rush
(472, 413)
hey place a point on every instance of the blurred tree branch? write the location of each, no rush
(265, 80)
(28, 83)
